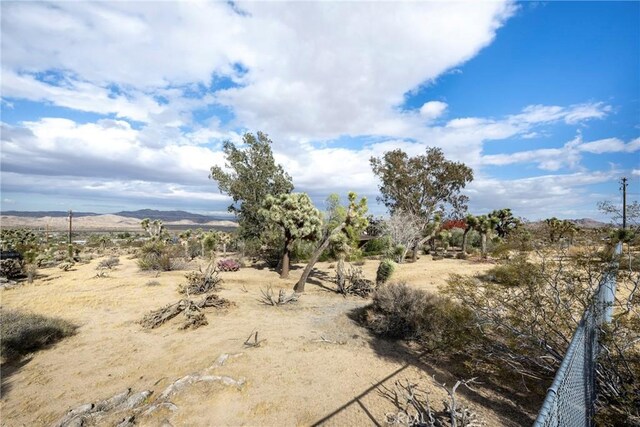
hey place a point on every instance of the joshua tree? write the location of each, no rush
(103, 241)
(297, 217)
(559, 228)
(471, 224)
(224, 239)
(208, 241)
(155, 228)
(184, 237)
(354, 218)
(485, 226)
(506, 222)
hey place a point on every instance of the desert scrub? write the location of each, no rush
(399, 311)
(385, 270)
(108, 263)
(516, 272)
(11, 268)
(24, 333)
(159, 256)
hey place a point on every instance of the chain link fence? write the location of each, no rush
(570, 399)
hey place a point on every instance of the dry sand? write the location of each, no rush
(294, 378)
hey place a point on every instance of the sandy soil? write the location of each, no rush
(293, 378)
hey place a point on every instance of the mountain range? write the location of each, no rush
(166, 216)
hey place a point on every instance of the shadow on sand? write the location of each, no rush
(514, 408)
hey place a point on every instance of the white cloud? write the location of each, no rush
(296, 82)
(433, 109)
(306, 72)
(567, 156)
(540, 197)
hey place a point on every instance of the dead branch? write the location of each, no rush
(269, 298)
(256, 342)
(191, 309)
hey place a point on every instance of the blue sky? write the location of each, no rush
(115, 105)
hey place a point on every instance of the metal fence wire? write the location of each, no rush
(570, 399)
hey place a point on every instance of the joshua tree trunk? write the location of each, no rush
(299, 287)
(340, 276)
(464, 240)
(484, 245)
(286, 255)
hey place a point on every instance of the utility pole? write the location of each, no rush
(70, 224)
(623, 183)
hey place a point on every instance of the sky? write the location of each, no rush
(109, 106)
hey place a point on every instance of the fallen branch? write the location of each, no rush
(191, 309)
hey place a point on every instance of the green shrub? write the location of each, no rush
(385, 270)
(401, 312)
(516, 272)
(156, 255)
(24, 333)
(456, 237)
(376, 246)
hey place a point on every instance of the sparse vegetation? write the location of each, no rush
(399, 311)
(108, 263)
(159, 256)
(24, 333)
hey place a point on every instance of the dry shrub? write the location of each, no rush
(515, 272)
(108, 263)
(399, 311)
(24, 333)
(199, 282)
(11, 268)
(354, 283)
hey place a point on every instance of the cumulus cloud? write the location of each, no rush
(433, 109)
(305, 72)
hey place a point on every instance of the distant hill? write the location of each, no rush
(172, 216)
(582, 223)
(166, 216)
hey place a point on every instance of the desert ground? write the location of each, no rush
(317, 366)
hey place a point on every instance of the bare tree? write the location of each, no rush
(404, 229)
